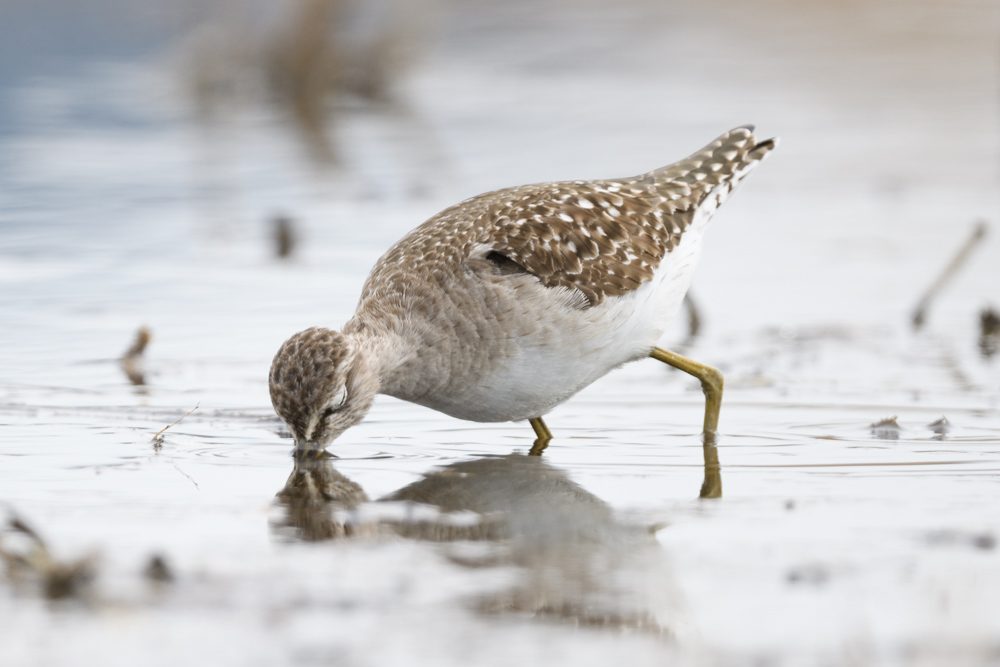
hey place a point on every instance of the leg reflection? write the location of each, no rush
(543, 436)
(712, 486)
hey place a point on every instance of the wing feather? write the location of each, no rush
(606, 238)
(598, 238)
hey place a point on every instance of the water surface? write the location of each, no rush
(835, 542)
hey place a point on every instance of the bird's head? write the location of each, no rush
(321, 384)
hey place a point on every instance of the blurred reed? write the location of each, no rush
(308, 59)
(132, 361)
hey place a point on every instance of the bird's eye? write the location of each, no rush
(337, 402)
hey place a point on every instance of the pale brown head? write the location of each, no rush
(321, 384)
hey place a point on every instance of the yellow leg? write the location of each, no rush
(542, 436)
(711, 384)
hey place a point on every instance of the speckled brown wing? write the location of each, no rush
(601, 238)
(606, 238)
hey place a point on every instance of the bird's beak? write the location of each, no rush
(306, 446)
(306, 454)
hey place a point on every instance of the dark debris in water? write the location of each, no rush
(520, 602)
(940, 426)
(132, 361)
(284, 236)
(31, 566)
(989, 332)
(886, 429)
(949, 537)
(32, 569)
(694, 318)
(157, 570)
(811, 574)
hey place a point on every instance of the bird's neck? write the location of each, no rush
(387, 353)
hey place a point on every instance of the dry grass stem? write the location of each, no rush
(157, 439)
(960, 259)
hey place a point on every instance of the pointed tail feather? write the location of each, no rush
(718, 162)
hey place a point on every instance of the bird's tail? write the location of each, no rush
(729, 158)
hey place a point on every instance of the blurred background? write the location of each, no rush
(193, 127)
(225, 173)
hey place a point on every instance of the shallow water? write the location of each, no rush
(835, 542)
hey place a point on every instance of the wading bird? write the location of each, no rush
(507, 304)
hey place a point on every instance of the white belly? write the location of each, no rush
(574, 347)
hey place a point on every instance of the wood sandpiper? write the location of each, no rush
(507, 304)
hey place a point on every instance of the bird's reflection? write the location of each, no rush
(311, 496)
(577, 560)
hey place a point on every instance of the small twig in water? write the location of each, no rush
(157, 440)
(920, 312)
(186, 475)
